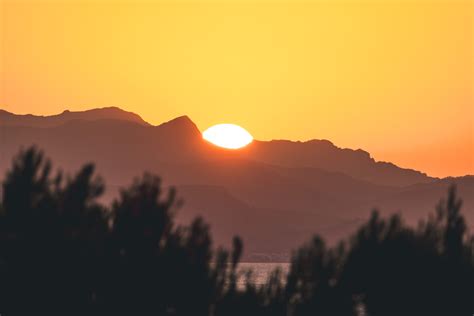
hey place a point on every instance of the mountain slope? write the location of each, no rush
(275, 194)
(325, 155)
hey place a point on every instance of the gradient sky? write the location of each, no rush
(395, 78)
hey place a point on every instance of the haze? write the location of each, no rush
(394, 78)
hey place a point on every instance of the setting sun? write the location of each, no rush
(229, 136)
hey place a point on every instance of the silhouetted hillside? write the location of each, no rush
(325, 155)
(114, 113)
(282, 190)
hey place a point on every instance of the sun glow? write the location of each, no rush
(229, 136)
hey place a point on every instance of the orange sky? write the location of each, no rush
(395, 78)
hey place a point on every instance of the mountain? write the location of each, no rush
(325, 155)
(115, 113)
(275, 194)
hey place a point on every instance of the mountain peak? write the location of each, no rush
(181, 126)
(183, 119)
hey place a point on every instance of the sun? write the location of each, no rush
(228, 136)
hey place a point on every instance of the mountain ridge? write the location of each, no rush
(111, 112)
(275, 190)
(280, 154)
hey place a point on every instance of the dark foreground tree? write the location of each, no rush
(52, 237)
(388, 268)
(61, 250)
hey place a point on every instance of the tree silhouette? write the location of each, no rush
(389, 268)
(61, 250)
(50, 237)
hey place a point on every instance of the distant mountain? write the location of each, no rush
(275, 194)
(114, 113)
(325, 155)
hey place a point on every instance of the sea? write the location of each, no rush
(260, 271)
